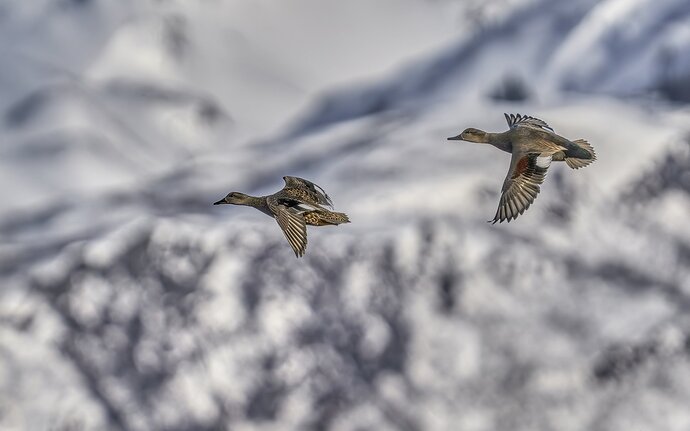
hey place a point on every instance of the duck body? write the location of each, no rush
(298, 204)
(533, 145)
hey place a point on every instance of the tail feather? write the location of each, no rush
(336, 218)
(580, 160)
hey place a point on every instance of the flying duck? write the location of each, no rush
(298, 204)
(534, 145)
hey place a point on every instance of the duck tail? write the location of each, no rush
(335, 218)
(325, 218)
(581, 156)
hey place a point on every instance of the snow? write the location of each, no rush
(599, 46)
(130, 302)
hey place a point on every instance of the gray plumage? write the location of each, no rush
(533, 145)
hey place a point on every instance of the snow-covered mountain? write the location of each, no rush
(128, 302)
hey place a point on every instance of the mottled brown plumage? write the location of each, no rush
(534, 145)
(298, 204)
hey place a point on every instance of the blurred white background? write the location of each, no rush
(129, 302)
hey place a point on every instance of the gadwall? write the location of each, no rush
(534, 145)
(298, 204)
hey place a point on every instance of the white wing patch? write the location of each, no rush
(301, 206)
(544, 161)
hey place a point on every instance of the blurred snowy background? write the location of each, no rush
(128, 302)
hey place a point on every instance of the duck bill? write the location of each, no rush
(455, 138)
(220, 202)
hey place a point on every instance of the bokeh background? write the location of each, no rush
(129, 302)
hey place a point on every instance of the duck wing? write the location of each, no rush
(291, 222)
(521, 186)
(319, 194)
(517, 120)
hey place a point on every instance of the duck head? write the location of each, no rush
(471, 135)
(234, 198)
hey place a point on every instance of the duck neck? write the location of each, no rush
(258, 202)
(500, 141)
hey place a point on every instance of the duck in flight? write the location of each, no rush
(534, 145)
(298, 204)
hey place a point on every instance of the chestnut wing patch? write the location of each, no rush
(520, 167)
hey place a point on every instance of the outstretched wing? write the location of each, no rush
(319, 194)
(517, 120)
(521, 186)
(292, 224)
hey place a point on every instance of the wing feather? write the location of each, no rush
(319, 193)
(292, 224)
(521, 185)
(517, 120)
